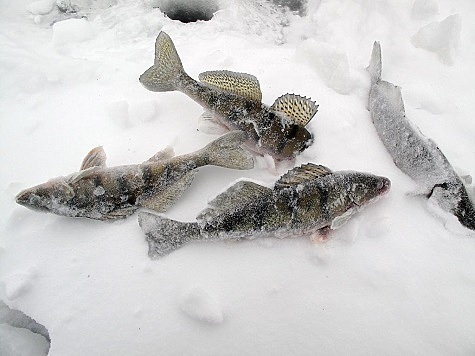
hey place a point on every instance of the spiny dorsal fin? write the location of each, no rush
(298, 108)
(95, 158)
(76, 177)
(302, 174)
(236, 196)
(241, 84)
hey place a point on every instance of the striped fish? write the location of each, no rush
(233, 100)
(310, 199)
(111, 193)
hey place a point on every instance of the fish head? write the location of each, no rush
(363, 188)
(51, 196)
(288, 142)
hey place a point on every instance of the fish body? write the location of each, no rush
(307, 199)
(412, 152)
(234, 101)
(110, 193)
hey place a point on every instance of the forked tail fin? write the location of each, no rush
(162, 76)
(226, 151)
(375, 64)
(165, 235)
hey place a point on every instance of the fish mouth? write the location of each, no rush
(28, 199)
(386, 185)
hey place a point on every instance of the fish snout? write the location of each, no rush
(30, 199)
(384, 185)
(23, 198)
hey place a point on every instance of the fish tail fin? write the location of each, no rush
(167, 68)
(165, 235)
(375, 64)
(226, 151)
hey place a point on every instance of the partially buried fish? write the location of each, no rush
(110, 193)
(412, 152)
(307, 199)
(234, 101)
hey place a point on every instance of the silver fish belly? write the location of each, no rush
(234, 101)
(306, 200)
(103, 193)
(412, 152)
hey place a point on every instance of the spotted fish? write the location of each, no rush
(412, 152)
(306, 200)
(234, 101)
(110, 193)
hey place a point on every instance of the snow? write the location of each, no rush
(396, 279)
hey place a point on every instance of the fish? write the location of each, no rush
(234, 100)
(112, 193)
(413, 153)
(308, 200)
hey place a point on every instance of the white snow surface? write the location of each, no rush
(398, 278)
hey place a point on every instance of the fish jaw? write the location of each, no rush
(52, 196)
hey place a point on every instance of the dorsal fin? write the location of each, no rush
(162, 155)
(95, 158)
(236, 196)
(241, 84)
(302, 174)
(76, 177)
(298, 108)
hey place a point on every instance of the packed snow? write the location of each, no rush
(397, 278)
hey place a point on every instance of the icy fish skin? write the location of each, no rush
(412, 152)
(234, 101)
(309, 199)
(111, 193)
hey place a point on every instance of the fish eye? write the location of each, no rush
(380, 185)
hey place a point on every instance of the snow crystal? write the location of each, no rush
(72, 30)
(199, 305)
(442, 38)
(424, 9)
(330, 63)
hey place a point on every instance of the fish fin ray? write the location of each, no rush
(76, 177)
(165, 235)
(162, 155)
(119, 214)
(208, 123)
(242, 84)
(239, 194)
(298, 108)
(225, 151)
(163, 75)
(302, 174)
(375, 65)
(164, 199)
(95, 158)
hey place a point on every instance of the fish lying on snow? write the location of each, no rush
(412, 152)
(307, 199)
(110, 193)
(234, 101)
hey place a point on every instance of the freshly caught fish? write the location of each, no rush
(307, 199)
(412, 152)
(103, 193)
(234, 101)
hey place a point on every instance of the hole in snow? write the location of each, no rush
(189, 10)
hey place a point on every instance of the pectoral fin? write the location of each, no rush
(298, 108)
(165, 198)
(241, 84)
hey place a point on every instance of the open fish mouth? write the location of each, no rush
(385, 186)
